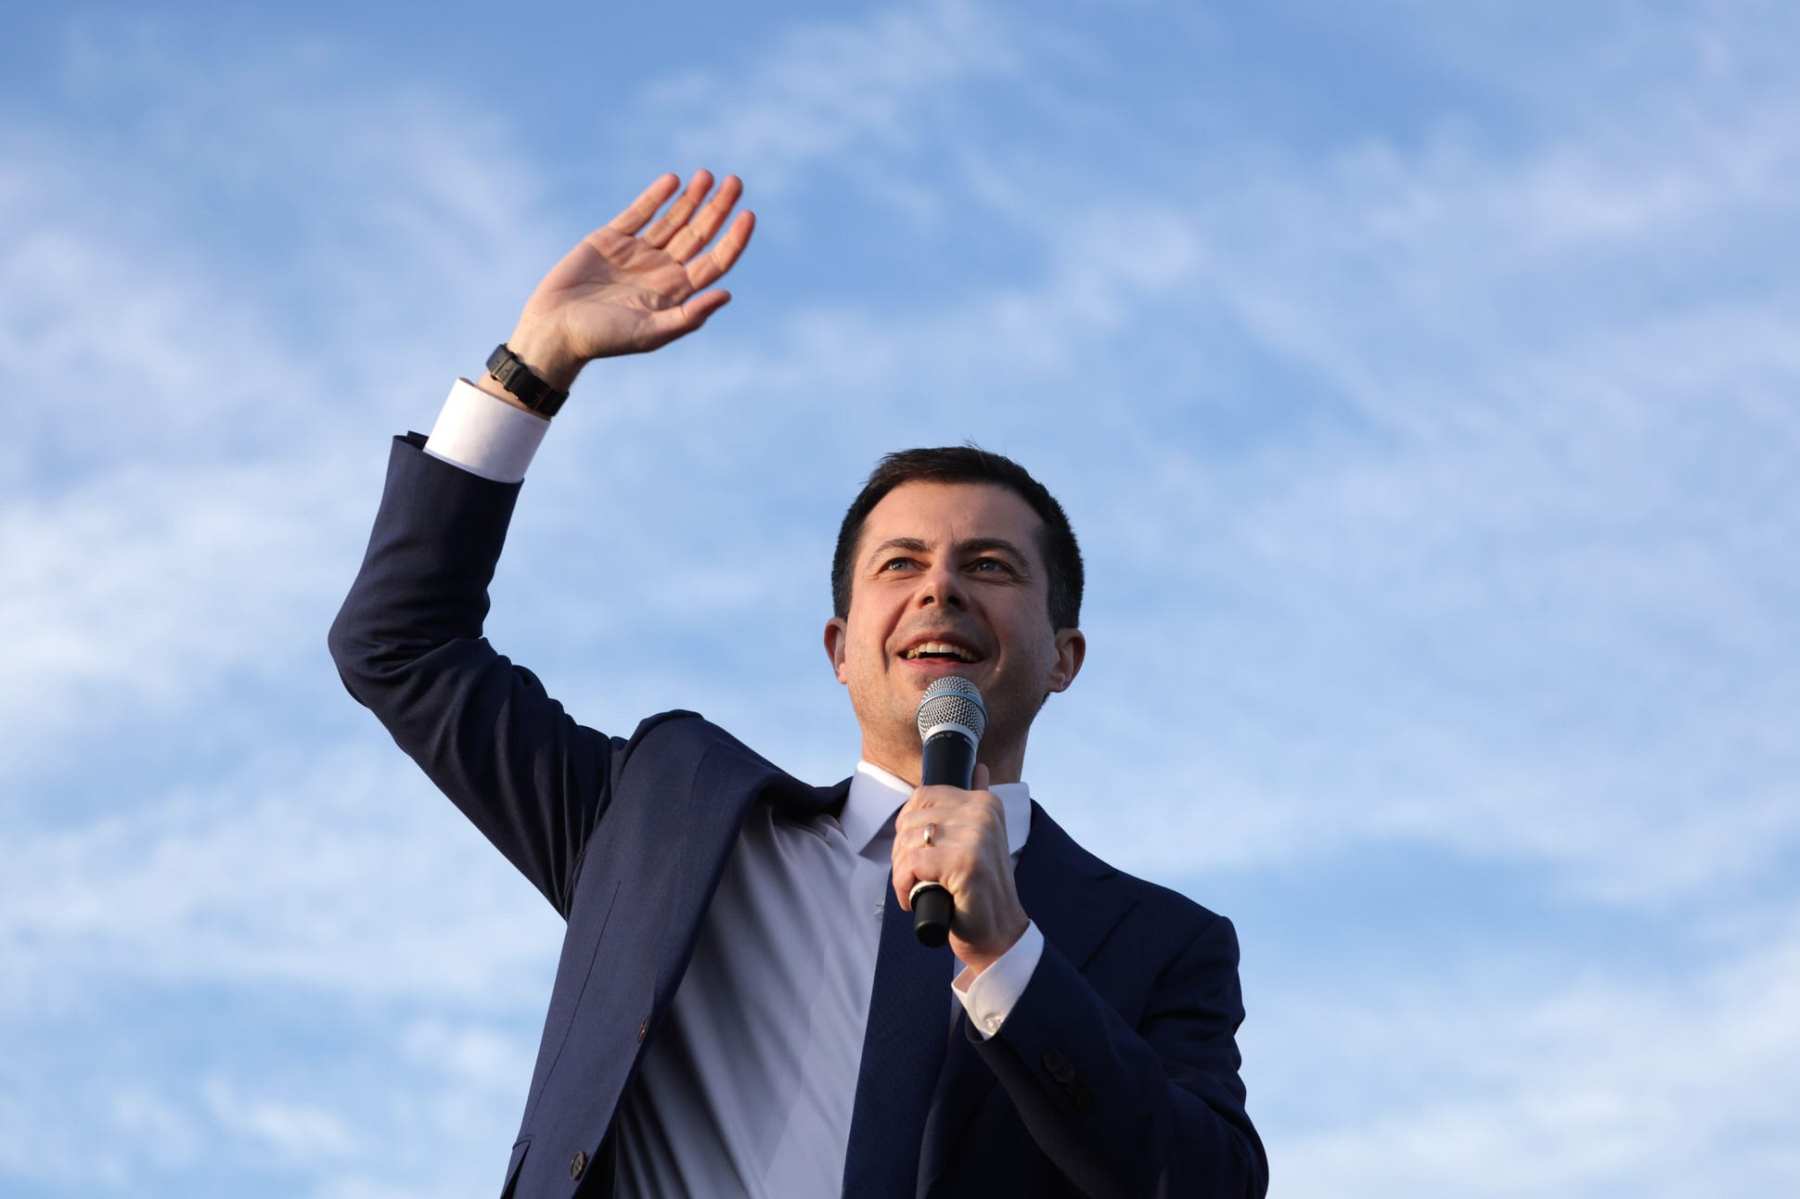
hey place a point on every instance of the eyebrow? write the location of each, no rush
(974, 545)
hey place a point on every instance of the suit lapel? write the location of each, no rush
(1065, 891)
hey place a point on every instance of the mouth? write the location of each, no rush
(941, 651)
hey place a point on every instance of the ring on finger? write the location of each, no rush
(930, 834)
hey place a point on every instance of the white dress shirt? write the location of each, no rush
(748, 1085)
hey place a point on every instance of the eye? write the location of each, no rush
(990, 566)
(891, 563)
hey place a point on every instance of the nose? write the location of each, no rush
(941, 585)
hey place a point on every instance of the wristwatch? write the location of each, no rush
(517, 378)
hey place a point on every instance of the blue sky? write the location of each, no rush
(1421, 380)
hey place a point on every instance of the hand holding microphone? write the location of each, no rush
(955, 840)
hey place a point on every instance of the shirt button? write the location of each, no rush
(991, 1022)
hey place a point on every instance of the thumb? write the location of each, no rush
(669, 323)
(981, 776)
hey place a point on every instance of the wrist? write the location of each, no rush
(539, 347)
(980, 959)
(530, 371)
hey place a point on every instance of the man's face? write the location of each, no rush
(948, 578)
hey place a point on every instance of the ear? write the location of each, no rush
(837, 639)
(1071, 651)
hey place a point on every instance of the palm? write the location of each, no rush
(626, 288)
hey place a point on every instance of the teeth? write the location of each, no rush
(939, 647)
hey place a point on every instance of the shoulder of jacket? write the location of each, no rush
(692, 737)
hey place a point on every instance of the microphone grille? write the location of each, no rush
(952, 700)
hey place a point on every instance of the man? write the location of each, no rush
(740, 1006)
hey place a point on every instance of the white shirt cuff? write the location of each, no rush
(989, 997)
(485, 436)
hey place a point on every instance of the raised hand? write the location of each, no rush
(627, 288)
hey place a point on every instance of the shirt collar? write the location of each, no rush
(875, 795)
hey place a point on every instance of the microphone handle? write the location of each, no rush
(948, 760)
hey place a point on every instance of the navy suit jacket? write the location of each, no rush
(1116, 1072)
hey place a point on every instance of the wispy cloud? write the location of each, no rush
(192, 477)
(331, 872)
(395, 966)
(852, 90)
(293, 1132)
(1587, 1084)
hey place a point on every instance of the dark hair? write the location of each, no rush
(967, 464)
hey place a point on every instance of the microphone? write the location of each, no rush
(951, 721)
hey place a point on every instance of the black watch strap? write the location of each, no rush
(517, 378)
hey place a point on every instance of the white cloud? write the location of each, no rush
(167, 1136)
(341, 873)
(312, 966)
(194, 475)
(865, 89)
(290, 1132)
(469, 1055)
(1597, 1084)
(146, 587)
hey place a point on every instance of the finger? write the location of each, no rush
(909, 872)
(670, 323)
(702, 306)
(981, 777)
(709, 267)
(687, 243)
(936, 795)
(644, 207)
(666, 226)
(900, 875)
(910, 826)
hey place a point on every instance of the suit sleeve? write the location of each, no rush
(408, 646)
(1153, 1110)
